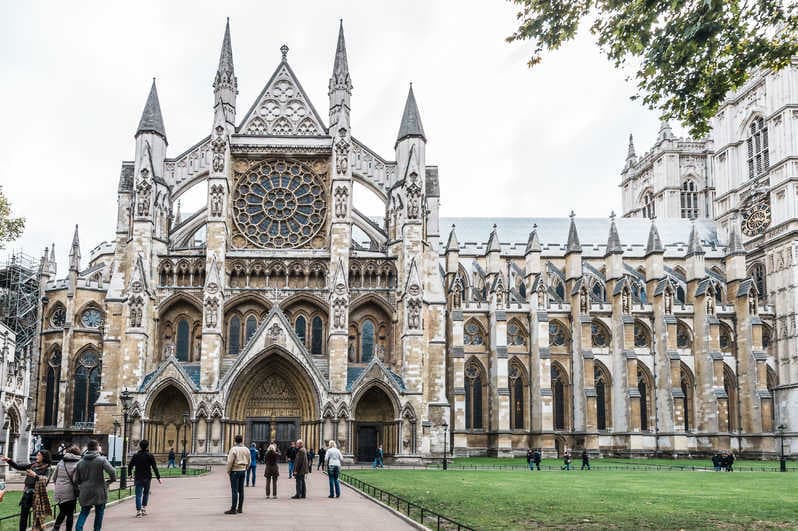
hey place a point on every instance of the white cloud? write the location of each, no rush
(508, 140)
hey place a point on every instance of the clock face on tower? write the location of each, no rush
(279, 204)
(756, 218)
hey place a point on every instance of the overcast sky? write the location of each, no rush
(509, 141)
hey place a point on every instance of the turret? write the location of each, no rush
(74, 252)
(532, 253)
(493, 251)
(695, 257)
(631, 157)
(452, 253)
(411, 133)
(340, 87)
(735, 255)
(573, 252)
(614, 254)
(225, 85)
(654, 253)
(665, 131)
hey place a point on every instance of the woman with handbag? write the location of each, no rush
(34, 497)
(65, 490)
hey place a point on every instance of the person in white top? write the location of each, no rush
(332, 461)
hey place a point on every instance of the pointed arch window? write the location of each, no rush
(689, 199)
(316, 335)
(366, 341)
(730, 386)
(760, 280)
(252, 325)
(234, 336)
(87, 386)
(687, 385)
(558, 388)
(516, 336)
(301, 329)
(557, 335)
(473, 395)
(649, 210)
(601, 382)
(51, 391)
(599, 335)
(516, 385)
(758, 151)
(642, 337)
(642, 388)
(683, 336)
(183, 340)
(58, 316)
(725, 338)
(473, 334)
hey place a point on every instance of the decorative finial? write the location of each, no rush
(284, 51)
(612, 215)
(494, 226)
(534, 226)
(572, 215)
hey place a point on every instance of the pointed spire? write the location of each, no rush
(341, 66)
(654, 244)
(573, 238)
(493, 241)
(630, 152)
(614, 241)
(177, 214)
(74, 252)
(735, 241)
(226, 71)
(52, 262)
(452, 244)
(151, 118)
(665, 131)
(411, 119)
(694, 247)
(533, 243)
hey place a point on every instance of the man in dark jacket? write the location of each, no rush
(171, 459)
(322, 451)
(141, 467)
(89, 475)
(300, 469)
(536, 458)
(585, 460)
(529, 456)
(290, 454)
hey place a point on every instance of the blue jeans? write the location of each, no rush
(237, 489)
(377, 462)
(251, 472)
(290, 469)
(171, 464)
(99, 511)
(142, 492)
(335, 485)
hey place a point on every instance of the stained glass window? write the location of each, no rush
(557, 336)
(599, 336)
(316, 335)
(87, 387)
(252, 325)
(515, 334)
(473, 398)
(183, 343)
(366, 341)
(92, 318)
(641, 336)
(473, 334)
(689, 199)
(234, 336)
(58, 317)
(300, 327)
(51, 393)
(682, 336)
(758, 153)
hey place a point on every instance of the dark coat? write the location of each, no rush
(142, 465)
(536, 457)
(41, 470)
(272, 468)
(301, 462)
(90, 477)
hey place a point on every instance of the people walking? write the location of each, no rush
(301, 468)
(566, 459)
(141, 467)
(378, 455)
(585, 460)
(171, 459)
(34, 496)
(730, 462)
(65, 488)
(90, 477)
(322, 451)
(332, 461)
(536, 457)
(272, 470)
(237, 464)
(290, 454)
(529, 459)
(253, 463)
(311, 457)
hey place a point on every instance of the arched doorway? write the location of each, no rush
(169, 423)
(375, 424)
(273, 399)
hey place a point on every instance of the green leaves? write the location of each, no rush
(689, 54)
(10, 228)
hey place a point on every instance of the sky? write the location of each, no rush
(508, 140)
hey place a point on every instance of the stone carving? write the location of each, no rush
(143, 192)
(341, 153)
(542, 297)
(668, 301)
(710, 304)
(275, 332)
(584, 304)
(413, 198)
(341, 196)
(457, 292)
(219, 146)
(500, 297)
(211, 312)
(339, 313)
(136, 303)
(626, 301)
(414, 314)
(217, 194)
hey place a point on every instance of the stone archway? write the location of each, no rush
(273, 399)
(375, 423)
(169, 421)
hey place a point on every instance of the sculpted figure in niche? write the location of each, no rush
(668, 301)
(626, 301)
(414, 314)
(217, 191)
(143, 191)
(341, 153)
(219, 145)
(136, 310)
(541, 298)
(339, 313)
(341, 195)
(500, 297)
(211, 311)
(583, 301)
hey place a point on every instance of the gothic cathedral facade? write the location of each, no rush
(280, 311)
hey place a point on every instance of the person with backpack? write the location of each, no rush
(90, 477)
(65, 490)
(141, 467)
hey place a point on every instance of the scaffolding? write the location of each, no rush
(19, 300)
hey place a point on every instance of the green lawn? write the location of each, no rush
(599, 499)
(612, 461)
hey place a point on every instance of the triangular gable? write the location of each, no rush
(275, 330)
(282, 109)
(138, 279)
(376, 370)
(169, 368)
(413, 282)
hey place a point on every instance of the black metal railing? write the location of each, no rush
(426, 517)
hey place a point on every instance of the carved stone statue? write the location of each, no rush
(211, 312)
(136, 303)
(339, 313)
(341, 153)
(668, 301)
(414, 314)
(217, 194)
(143, 193)
(341, 196)
(219, 146)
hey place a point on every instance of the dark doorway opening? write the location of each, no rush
(367, 441)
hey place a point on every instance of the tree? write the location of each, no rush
(687, 54)
(10, 228)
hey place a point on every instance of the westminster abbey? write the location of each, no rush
(279, 310)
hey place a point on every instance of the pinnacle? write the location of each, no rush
(341, 66)
(151, 118)
(630, 153)
(614, 241)
(533, 243)
(226, 55)
(411, 119)
(493, 241)
(735, 241)
(452, 244)
(654, 244)
(694, 247)
(573, 237)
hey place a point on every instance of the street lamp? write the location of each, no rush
(445, 443)
(113, 455)
(782, 460)
(126, 398)
(184, 456)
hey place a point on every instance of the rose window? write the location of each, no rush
(279, 204)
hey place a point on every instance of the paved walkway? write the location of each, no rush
(198, 504)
